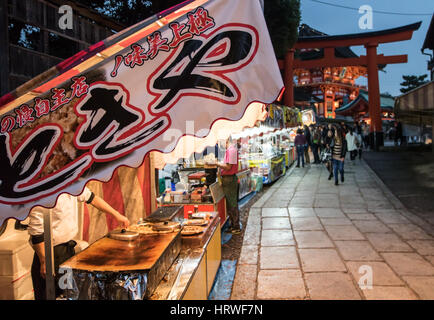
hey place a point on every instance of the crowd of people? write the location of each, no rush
(329, 144)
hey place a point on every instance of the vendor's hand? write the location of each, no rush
(342, 159)
(43, 269)
(123, 221)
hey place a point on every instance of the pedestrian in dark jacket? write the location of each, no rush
(300, 143)
(316, 141)
(339, 150)
(308, 136)
(327, 143)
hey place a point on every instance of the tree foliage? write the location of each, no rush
(412, 82)
(282, 16)
(283, 19)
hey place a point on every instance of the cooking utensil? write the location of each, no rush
(191, 230)
(196, 222)
(123, 235)
(166, 226)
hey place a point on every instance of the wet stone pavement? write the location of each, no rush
(309, 239)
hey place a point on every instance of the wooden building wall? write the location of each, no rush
(20, 64)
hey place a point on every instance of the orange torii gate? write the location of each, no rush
(370, 40)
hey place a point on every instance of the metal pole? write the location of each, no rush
(49, 257)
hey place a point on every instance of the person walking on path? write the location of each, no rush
(316, 140)
(300, 144)
(352, 143)
(339, 150)
(359, 144)
(308, 137)
(365, 131)
(327, 143)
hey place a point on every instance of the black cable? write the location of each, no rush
(376, 11)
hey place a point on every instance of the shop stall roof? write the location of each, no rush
(417, 105)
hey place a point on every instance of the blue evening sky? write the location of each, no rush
(336, 21)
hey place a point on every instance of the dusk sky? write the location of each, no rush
(335, 21)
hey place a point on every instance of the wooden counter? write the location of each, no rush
(109, 255)
(192, 274)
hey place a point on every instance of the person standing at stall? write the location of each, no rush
(300, 145)
(228, 173)
(64, 228)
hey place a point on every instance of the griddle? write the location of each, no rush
(150, 254)
(165, 214)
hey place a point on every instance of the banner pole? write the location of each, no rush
(49, 257)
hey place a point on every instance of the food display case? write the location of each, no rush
(266, 158)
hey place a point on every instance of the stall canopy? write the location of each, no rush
(416, 106)
(207, 66)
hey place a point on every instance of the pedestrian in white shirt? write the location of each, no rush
(64, 228)
(352, 143)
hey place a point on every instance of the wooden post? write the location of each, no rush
(49, 257)
(289, 78)
(4, 52)
(374, 97)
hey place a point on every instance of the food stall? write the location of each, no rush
(101, 118)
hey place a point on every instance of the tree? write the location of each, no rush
(412, 82)
(283, 19)
(282, 16)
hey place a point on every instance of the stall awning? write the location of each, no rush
(417, 106)
(206, 68)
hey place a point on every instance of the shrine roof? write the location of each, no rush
(305, 31)
(387, 103)
(315, 35)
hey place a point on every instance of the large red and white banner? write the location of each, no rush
(207, 65)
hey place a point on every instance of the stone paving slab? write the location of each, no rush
(336, 222)
(331, 286)
(321, 260)
(423, 286)
(357, 251)
(306, 223)
(249, 255)
(312, 239)
(308, 239)
(274, 212)
(295, 212)
(389, 293)
(276, 223)
(387, 242)
(371, 226)
(409, 264)
(329, 213)
(277, 238)
(382, 274)
(244, 287)
(423, 247)
(344, 233)
(279, 258)
(281, 285)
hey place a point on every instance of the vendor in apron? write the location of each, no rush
(228, 171)
(64, 228)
